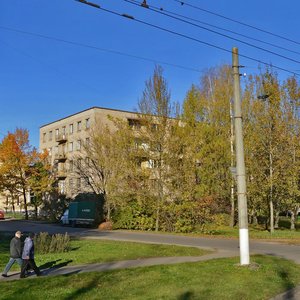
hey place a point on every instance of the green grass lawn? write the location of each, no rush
(215, 279)
(97, 251)
(282, 234)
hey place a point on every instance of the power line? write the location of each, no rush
(189, 38)
(98, 48)
(216, 32)
(213, 26)
(236, 21)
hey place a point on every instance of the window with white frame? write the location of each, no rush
(71, 129)
(79, 145)
(70, 146)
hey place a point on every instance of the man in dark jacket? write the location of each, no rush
(28, 256)
(15, 253)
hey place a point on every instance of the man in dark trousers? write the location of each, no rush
(28, 256)
(15, 253)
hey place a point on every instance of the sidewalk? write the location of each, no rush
(121, 265)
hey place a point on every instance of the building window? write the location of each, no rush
(50, 135)
(79, 163)
(134, 124)
(70, 146)
(71, 129)
(44, 137)
(71, 166)
(50, 151)
(78, 183)
(71, 183)
(87, 123)
(78, 125)
(64, 130)
(56, 132)
(79, 145)
(87, 141)
(154, 127)
(62, 186)
(153, 163)
(87, 161)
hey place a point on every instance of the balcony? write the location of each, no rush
(61, 174)
(61, 156)
(61, 138)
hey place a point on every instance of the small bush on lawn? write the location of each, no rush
(56, 243)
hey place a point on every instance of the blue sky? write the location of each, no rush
(42, 79)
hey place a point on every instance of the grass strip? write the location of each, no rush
(215, 279)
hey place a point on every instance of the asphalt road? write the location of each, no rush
(291, 252)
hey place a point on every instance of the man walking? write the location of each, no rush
(28, 256)
(15, 253)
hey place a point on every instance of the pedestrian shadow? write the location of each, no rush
(49, 264)
(52, 266)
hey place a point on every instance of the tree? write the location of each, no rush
(207, 135)
(105, 163)
(16, 158)
(156, 112)
(40, 181)
(269, 136)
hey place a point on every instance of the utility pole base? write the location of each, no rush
(244, 247)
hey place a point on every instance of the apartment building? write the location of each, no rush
(65, 138)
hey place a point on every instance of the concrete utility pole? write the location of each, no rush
(240, 164)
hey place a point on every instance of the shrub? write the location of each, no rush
(221, 219)
(56, 243)
(133, 216)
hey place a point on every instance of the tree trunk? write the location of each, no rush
(25, 204)
(157, 219)
(276, 226)
(107, 207)
(36, 211)
(254, 218)
(271, 216)
(292, 220)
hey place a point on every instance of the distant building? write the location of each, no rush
(65, 138)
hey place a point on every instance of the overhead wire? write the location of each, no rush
(98, 48)
(237, 21)
(215, 32)
(214, 26)
(189, 37)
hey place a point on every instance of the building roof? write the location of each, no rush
(94, 107)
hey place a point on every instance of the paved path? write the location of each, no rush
(154, 261)
(223, 248)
